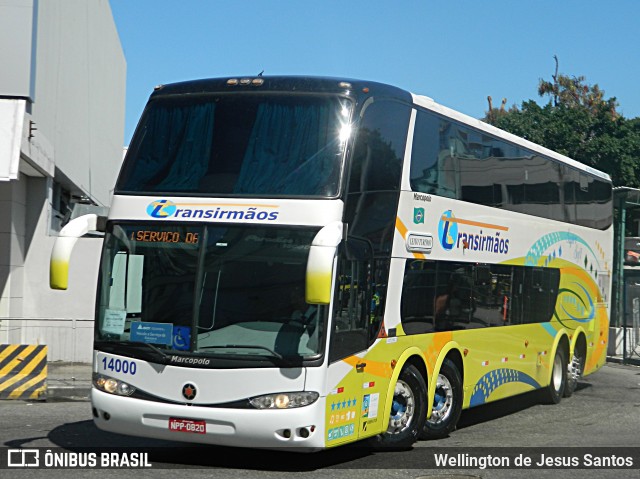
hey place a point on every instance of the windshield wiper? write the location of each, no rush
(244, 346)
(155, 349)
(250, 346)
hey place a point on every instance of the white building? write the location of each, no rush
(62, 98)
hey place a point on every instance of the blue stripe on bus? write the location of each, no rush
(549, 329)
(496, 378)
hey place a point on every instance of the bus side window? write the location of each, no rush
(349, 332)
(378, 295)
(540, 294)
(418, 297)
(432, 168)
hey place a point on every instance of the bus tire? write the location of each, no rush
(552, 394)
(408, 411)
(447, 403)
(575, 368)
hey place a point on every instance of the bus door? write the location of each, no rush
(357, 320)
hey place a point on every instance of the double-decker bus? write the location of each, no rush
(306, 262)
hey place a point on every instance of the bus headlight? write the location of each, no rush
(284, 400)
(112, 386)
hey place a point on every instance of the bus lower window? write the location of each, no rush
(448, 296)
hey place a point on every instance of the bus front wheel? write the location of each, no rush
(447, 403)
(408, 411)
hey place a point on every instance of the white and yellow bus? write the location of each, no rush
(307, 262)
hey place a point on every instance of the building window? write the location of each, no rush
(61, 206)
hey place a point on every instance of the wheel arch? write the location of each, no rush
(452, 352)
(413, 356)
(579, 341)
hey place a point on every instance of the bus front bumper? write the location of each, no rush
(301, 428)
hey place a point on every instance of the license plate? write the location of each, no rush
(187, 425)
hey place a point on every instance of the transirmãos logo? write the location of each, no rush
(448, 230)
(161, 209)
(166, 209)
(471, 235)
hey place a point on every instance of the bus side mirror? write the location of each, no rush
(320, 263)
(63, 246)
(358, 249)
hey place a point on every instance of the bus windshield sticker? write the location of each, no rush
(181, 338)
(157, 333)
(114, 321)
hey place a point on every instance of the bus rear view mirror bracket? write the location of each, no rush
(63, 247)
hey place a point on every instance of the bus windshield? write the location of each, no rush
(218, 291)
(269, 145)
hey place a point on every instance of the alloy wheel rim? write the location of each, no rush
(402, 409)
(557, 373)
(442, 401)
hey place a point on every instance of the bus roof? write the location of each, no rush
(359, 90)
(353, 88)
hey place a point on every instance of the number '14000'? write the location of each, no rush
(119, 365)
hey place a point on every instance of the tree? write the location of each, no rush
(574, 93)
(580, 123)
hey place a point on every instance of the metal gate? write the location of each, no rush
(631, 326)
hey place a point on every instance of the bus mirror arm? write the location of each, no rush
(101, 224)
(320, 263)
(63, 246)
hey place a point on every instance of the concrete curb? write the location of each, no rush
(68, 381)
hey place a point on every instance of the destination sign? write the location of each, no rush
(148, 236)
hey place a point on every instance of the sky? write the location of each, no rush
(457, 52)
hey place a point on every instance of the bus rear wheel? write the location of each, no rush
(553, 393)
(574, 371)
(447, 403)
(408, 411)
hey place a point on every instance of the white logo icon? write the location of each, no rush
(23, 458)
